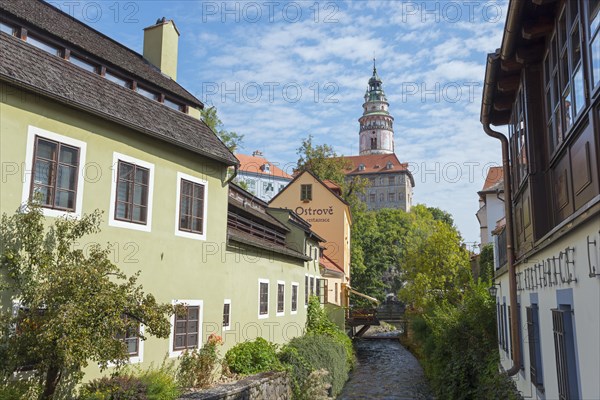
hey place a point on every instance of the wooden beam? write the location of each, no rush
(510, 65)
(542, 2)
(537, 29)
(530, 54)
(509, 84)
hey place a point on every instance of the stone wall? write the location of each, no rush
(265, 386)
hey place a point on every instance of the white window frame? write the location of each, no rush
(227, 301)
(277, 313)
(190, 235)
(198, 303)
(261, 280)
(297, 286)
(32, 132)
(113, 193)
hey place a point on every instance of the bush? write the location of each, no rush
(457, 371)
(161, 383)
(197, 368)
(125, 387)
(318, 323)
(151, 384)
(313, 352)
(249, 358)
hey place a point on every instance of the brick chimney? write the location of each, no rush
(161, 41)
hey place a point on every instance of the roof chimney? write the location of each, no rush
(257, 153)
(160, 46)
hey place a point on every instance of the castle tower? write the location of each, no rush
(376, 124)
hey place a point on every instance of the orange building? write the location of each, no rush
(320, 204)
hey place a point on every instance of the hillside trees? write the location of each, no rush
(64, 307)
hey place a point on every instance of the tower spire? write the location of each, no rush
(376, 124)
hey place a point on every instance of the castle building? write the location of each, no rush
(390, 181)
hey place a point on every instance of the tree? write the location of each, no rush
(435, 265)
(486, 264)
(441, 215)
(322, 161)
(230, 139)
(69, 304)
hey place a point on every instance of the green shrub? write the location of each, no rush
(313, 352)
(118, 387)
(18, 390)
(197, 367)
(161, 383)
(318, 323)
(151, 384)
(457, 371)
(249, 358)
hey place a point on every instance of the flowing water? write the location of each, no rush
(385, 370)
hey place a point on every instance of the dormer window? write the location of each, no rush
(389, 165)
(83, 64)
(361, 167)
(173, 105)
(116, 79)
(147, 93)
(266, 168)
(47, 47)
(7, 28)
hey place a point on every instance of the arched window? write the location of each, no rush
(373, 143)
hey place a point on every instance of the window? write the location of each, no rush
(361, 167)
(281, 187)
(519, 319)
(371, 197)
(312, 285)
(518, 136)
(81, 63)
(7, 28)
(305, 290)
(226, 314)
(391, 180)
(131, 194)
(380, 197)
(391, 197)
(47, 47)
(267, 187)
(563, 75)
(173, 105)
(131, 337)
(191, 206)
(535, 348)
(280, 298)
(263, 298)
(116, 79)
(373, 143)
(389, 165)
(564, 347)
(294, 307)
(187, 323)
(504, 329)
(305, 192)
(594, 24)
(266, 168)
(147, 93)
(318, 287)
(251, 184)
(55, 173)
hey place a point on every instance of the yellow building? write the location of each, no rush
(319, 203)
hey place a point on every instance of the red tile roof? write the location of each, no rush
(329, 264)
(374, 163)
(254, 164)
(495, 175)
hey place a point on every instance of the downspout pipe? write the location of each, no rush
(491, 72)
(512, 277)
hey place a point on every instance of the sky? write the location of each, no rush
(279, 71)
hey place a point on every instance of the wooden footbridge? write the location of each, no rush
(362, 319)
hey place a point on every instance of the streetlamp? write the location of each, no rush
(493, 289)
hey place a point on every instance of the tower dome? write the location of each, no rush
(376, 124)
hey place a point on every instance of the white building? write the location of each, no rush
(543, 83)
(263, 178)
(491, 204)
